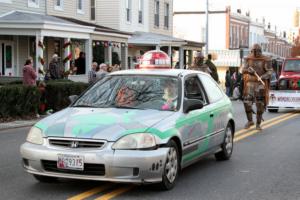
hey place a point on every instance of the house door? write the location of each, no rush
(7, 61)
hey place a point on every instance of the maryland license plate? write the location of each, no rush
(73, 162)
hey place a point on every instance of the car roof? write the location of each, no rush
(159, 72)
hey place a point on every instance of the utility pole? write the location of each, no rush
(206, 36)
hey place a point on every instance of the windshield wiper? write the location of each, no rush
(84, 106)
(128, 107)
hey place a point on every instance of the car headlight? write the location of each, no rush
(136, 141)
(35, 136)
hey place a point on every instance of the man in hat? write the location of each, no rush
(54, 69)
(199, 63)
(256, 72)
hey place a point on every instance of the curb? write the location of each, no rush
(4, 126)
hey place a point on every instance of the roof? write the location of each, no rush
(159, 72)
(144, 38)
(28, 17)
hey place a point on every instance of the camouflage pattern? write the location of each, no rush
(254, 90)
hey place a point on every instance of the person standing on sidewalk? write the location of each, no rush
(54, 69)
(199, 63)
(213, 68)
(29, 74)
(92, 73)
(256, 72)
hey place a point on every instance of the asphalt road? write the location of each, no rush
(263, 166)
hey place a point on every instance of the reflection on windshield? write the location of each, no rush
(132, 92)
(292, 65)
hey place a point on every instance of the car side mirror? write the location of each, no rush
(73, 98)
(192, 104)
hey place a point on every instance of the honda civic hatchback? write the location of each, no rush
(134, 126)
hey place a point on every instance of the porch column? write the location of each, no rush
(124, 56)
(170, 53)
(108, 55)
(39, 55)
(190, 61)
(157, 47)
(181, 57)
(67, 52)
(88, 55)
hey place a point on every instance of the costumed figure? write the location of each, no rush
(256, 72)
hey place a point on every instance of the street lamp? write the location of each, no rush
(206, 36)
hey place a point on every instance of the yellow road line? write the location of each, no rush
(115, 193)
(264, 122)
(264, 127)
(91, 192)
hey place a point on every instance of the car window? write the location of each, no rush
(213, 91)
(292, 65)
(134, 92)
(193, 89)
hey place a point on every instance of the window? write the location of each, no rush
(93, 10)
(193, 89)
(80, 7)
(58, 5)
(156, 13)
(128, 10)
(34, 3)
(167, 6)
(141, 8)
(212, 89)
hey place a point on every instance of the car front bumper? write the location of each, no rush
(133, 166)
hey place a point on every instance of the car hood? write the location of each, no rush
(99, 123)
(291, 75)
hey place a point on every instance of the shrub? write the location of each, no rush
(18, 100)
(58, 92)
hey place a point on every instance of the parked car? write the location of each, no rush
(287, 94)
(136, 126)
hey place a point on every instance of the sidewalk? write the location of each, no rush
(18, 124)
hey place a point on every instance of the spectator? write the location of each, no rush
(92, 73)
(54, 68)
(29, 75)
(213, 68)
(228, 83)
(199, 63)
(102, 71)
(80, 63)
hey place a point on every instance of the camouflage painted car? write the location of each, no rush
(137, 126)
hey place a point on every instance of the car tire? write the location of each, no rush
(45, 179)
(171, 168)
(227, 146)
(273, 110)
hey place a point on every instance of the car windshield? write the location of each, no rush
(132, 92)
(292, 65)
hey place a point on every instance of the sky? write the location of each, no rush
(277, 12)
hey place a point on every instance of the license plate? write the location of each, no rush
(73, 162)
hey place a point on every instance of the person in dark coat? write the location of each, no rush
(80, 63)
(213, 68)
(228, 83)
(54, 68)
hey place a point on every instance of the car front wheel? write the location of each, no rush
(171, 168)
(227, 146)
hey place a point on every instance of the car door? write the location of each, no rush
(195, 125)
(218, 107)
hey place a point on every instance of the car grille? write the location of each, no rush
(76, 143)
(89, 169)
